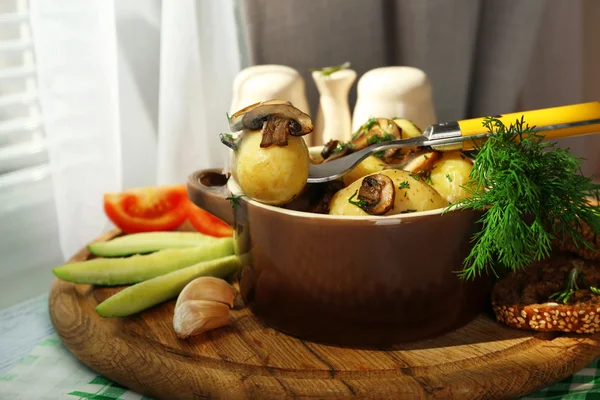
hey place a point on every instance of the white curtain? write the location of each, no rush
(98, 108)
(130, 93)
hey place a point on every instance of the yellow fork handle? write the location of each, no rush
(544, 119)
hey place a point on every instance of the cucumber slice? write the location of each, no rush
(407, 128)
(149, 293)
(138, 268)
(148, 242)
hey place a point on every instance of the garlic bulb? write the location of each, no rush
(207, 288)
(194, 317)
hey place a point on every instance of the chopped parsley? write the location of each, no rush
(449, 177)
(358, 203)
(326, 71)
(234, 200)
(380, 139)
(404, 185)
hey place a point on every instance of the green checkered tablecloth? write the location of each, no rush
(50, 372)
(584, 385)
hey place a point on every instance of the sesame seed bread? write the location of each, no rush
(521, 299)
(583, 251)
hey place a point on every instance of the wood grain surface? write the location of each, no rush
(249, 360)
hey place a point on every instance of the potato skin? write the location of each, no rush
(458, 167)
(273, 175)
(419, 196)
(366, 167)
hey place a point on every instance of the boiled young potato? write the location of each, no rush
(410, 195)
(271, 158)
(449, 173)
(272, 175)
(368, 166)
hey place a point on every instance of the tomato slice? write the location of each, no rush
(155, 208)
(206, 223)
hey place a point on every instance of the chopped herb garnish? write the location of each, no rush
(415, 177)
(228, 140)
(449, 177)
(404, 185)
(379, 139)
(234, 200)
(425, 157)
(571, 286)
(228, 117)
(369, 124)
(326, 71)
(358, 203)
(531, 193)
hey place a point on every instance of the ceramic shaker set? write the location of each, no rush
(387, 92)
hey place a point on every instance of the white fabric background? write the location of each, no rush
(132, 93)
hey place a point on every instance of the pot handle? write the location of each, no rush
(207, 188)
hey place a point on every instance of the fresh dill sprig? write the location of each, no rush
(404, 185)
(530, 192)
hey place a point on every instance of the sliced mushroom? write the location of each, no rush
(331, 188)
(328, 148)
(375, 130)
(420, 161)
(378, 194)
(345, 150)
(276, 118)
(299, 123)
(275, 132)
(235, 121)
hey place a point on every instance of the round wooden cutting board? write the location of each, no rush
(249, 360)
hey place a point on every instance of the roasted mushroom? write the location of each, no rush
(277, 118)
(328, 148)
(376, 194)
(375, 130)
(420, 161)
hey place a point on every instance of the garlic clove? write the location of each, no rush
(194, 317)
(207, 288)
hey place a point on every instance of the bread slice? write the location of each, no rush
(521, 299)
(583, 251)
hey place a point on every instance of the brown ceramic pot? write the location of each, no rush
(348, 280)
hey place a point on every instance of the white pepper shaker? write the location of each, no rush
(268, 82)
(394, 92)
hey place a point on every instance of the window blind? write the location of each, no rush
(29, 245)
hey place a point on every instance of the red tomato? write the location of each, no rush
(155, 208)
(207, 223)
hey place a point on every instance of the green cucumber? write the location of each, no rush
(148, 242)
(154, 291)
(138, 268)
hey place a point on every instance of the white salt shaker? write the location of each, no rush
(394, 92)
(268, 82)
(333, 118)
